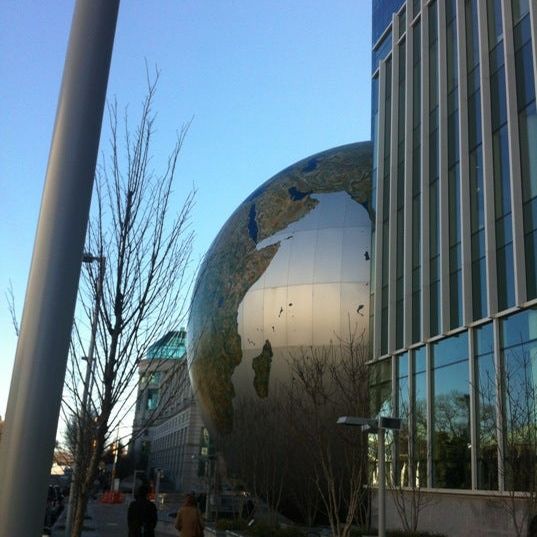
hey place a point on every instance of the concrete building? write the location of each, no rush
(168, 429)
(454, 272)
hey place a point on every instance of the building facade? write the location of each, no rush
(168, 429)
(454, 272)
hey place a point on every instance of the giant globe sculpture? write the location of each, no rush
(288, 270)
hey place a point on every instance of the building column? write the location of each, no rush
(464, 169)
(392, 240)
(425, 261)
(488, 161)
(377, 316)
(443, 179)
(408, 239)
(519, 258)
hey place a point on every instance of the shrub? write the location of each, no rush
(402, 533)
(231, 524)
(264, 530)
(359, 532)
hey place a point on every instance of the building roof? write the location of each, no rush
(172, 346)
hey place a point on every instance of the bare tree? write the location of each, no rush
(328, 382)
(147, 244)
(518, 451)
(259, 459)
(405, 485)
(10, 300)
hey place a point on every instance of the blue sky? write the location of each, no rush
(268, 83)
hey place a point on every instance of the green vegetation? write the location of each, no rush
(231, 524)
(265, 530)
(359, 532)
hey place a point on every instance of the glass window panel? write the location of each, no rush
(402, 22)
(433, 218)
(519, 392)
(528, 151)
(400, 242)
(384, 327)
(525, 85)
(435, 308)
(455, 281)
(531, 263)
(419, 416)
(381, 388)
(479, 288)
(498, 98)
(416, 314)
(474, 119)
(530, 215)
(520, 9)
(454, 205)
(416, 4)
(416, 231)
(403, 411)
(451, 413)
(496, 58)
(522, 33)
(452, 73)
(399, 324)
(382, 50)
(502, 190)
(477, 209)
(472, 37)
(494, 19)
(506, 283)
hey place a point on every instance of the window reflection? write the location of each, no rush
(485, 396)
(419, 419)
(451, 413)
(403, 411)
(380, 391)
(519, 355)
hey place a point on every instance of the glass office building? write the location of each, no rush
(454, 272)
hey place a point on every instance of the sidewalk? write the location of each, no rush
(110, 520)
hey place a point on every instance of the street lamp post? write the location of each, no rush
(207, 459)
(376, 426)
(88, 381)
(134, 482)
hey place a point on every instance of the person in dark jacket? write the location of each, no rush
(142, 515)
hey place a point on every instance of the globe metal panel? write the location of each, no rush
(288, 271)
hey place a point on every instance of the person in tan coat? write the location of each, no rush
(189, 521)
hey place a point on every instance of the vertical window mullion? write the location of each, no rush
(514, 156)
(488, 168)
(464, 198)
(392, 235)
(379, 215)
(408, 242)
(444, 215)
(425, 280)
(473, 414)
(500, 403)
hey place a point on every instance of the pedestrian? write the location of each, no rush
(248, 509)
(142, 514)
(532, 527)
(189, 521)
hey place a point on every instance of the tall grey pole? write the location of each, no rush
(382, 484)
(40, 361)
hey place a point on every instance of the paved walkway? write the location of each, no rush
(110, 520)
